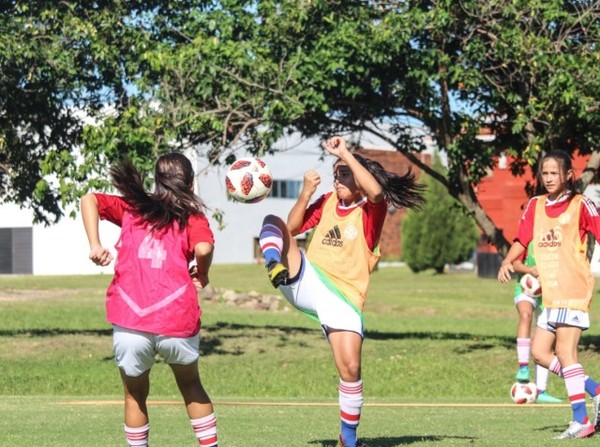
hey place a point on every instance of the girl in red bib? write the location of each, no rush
(558, 223)
(152, 301)
(330, 282)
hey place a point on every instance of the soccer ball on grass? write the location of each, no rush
(531, 285)
(523, 393)
(248, 180)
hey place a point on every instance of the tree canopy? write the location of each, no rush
(219, 76)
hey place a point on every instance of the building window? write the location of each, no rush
(16, 250)
(286, 189)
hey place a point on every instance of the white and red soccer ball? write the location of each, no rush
(523, 392)
(531, 285)
(248, 180)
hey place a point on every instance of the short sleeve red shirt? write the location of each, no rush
(589, 219)
(112, 208)
(373, 217)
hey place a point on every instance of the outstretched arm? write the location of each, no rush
(363, 178)
(89, 211)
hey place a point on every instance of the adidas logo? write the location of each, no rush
(333, 238)
(550, 239)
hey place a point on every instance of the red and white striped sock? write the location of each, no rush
(575, 382)
(555, 367)
(351, 402)
(206, 430)
(137, 436)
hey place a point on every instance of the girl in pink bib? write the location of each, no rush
(152, 301)
(557, 223)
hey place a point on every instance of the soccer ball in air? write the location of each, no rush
(523, 392)
(531, 285)
(248, 180)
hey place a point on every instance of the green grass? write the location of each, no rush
(430, 339)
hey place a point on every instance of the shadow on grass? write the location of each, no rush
(396, 440)
(211, 342)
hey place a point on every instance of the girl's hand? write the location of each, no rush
(199, 280)
(504, 274)
(534, 271)
(336, 146)
(100, 256)
(311, 181)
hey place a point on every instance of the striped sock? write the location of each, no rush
(523, 351)
(575, 383)
(351, 401)
(271, 242)
(138, 436)
(206, 430)
(591, 386)
(555, 367)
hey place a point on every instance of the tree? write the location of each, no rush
(442, 233)
(221, 76)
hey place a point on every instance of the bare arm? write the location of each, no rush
(203, 252)
(296, 216)
(506, 268)
(363, 178)
(89, 212)
(520, 267)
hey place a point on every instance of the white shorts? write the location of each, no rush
(523, 297)
(549, 318)
(310, 295)
(135, 350)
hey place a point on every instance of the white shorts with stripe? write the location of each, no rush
(308, 293)
(549, 318)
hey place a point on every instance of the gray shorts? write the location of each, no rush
(135, 351)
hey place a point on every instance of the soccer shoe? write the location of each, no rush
(577, 430)
(545, 398)
(278, 273)
(523, 374)
(596, 411)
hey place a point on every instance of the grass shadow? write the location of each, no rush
(212, 344)
(394, 441)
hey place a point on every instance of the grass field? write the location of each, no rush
(438, 361)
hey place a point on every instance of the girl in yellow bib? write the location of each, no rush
(558, 223)
(330, 282)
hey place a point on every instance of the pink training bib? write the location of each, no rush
(152, 290)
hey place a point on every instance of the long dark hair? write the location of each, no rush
(565, 163)
(173, 198)
(400, 191)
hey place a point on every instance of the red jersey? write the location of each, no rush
(373, 217)
(113, 207)
(589, 219)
